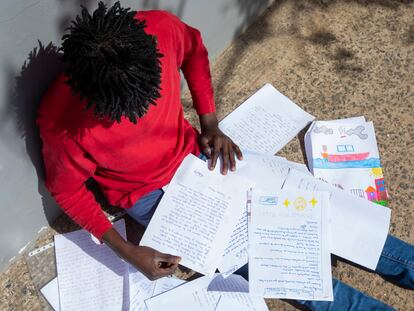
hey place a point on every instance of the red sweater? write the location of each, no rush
(127, 160)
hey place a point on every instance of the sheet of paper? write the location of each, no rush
(236, 289)
(197, 215)
(268, 173)
(265, 122)
(190, 296)
(289, 255)
(235, 254)
(90, 275)
(140, 288)
(228, 304)
(194, 296)
(358, 228)
(51, 292)
(346, 155)
(165, 284)
(308, 141)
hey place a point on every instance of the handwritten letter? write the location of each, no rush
(358, 228)
(265, 122)
(289, 255)
(90, 275)
(197, 214)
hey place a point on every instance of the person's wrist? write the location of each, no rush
(126, 250)
(208, 122)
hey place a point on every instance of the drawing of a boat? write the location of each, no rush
(347, 157)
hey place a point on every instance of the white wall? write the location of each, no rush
(28, 65)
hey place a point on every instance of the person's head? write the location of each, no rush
(112, 63)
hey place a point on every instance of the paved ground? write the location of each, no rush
(335, 59)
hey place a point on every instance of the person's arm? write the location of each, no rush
(193, 60)
(149, 261)
(67, 169)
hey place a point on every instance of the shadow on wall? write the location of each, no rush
(258, 31)
(37, 73)
(72, 7)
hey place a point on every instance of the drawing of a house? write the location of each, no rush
(371, 193)
(380, 189)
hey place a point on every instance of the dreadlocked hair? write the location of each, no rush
(112, 63)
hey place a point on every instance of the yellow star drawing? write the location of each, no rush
(286, 203)
(313, 201)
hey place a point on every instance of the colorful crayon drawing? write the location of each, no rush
(378, 194)
(345, 157)
(342, 156)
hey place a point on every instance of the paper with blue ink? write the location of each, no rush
(197, 214)
(358, 228)
(289, 253)
(265, 122)
(90, 275)
(200, 295)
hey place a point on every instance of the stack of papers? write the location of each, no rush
(345, 153)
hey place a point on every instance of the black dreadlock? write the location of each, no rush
(112, 63)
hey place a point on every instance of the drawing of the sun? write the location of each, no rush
(376, 172)
(300, 203)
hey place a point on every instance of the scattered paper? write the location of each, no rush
(289, 254)
(344, 153)
(235, 254)
(165, 284)
(51, 292)
(358, 228)
(197, 215)
(265, 122)
(268, 173)
(90, 275)
(195, 296)
(140, 288)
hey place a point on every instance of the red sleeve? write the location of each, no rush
(193, 61)
(67, 169)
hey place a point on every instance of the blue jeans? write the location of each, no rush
(396, 264)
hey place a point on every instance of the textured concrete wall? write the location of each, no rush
(29, 30)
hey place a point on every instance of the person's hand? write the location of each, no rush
(214, 142)
(150, 262)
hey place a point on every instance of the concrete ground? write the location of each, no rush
(335, 59)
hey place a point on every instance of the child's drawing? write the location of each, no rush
(348, 158)
(344, 156)
(358, 132)
(323, 129)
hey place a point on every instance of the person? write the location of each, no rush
(115, 115)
